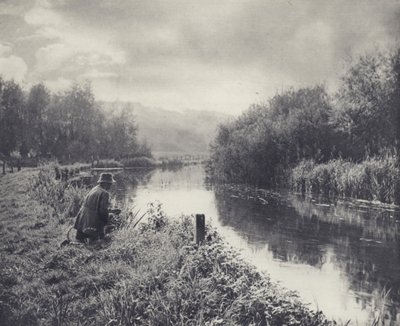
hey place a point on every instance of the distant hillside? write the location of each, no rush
(173, 132)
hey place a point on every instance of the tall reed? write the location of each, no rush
(376, 178)
(60, 195)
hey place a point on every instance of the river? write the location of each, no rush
(342, 257)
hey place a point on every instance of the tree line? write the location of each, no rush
(360, 120)
(68, 126)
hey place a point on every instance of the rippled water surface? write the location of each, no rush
(342, 257)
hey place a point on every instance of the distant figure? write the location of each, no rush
(94, 213)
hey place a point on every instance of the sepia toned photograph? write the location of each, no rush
(199, 162)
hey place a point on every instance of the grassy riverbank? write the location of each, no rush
(152, 275)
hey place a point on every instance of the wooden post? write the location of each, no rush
(200, 231)
(57, 172)
(64, 175)
(397, 192)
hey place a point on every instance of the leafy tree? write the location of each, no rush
(36, 109)
(365, 105)
(270, 137)
(79, 109)
(121, 130)
(11, 108)
(302, 123)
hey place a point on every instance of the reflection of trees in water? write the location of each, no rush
(370, 256)
(172, 167)
(365, 241)
(270, 224)
(372, 270)
(187, 177)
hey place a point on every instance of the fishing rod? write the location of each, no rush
(137, 222)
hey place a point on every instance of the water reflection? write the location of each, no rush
(360, 245)
(341, 256)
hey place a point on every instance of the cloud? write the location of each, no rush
(4, 49)
(42, 15)
(96, 74)
(196, 54)
(309, 42)
(13, 67)
(71, 48)
(14, 7)
(52, 57)
(59, 84)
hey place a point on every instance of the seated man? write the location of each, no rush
(94, 213)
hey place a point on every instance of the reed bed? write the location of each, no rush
(374, 179)
(62, 197)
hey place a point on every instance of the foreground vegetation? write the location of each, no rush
(352, 130)
(151, 274)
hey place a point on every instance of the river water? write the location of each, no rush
(341, 257)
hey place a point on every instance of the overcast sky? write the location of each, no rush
(197, 54)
